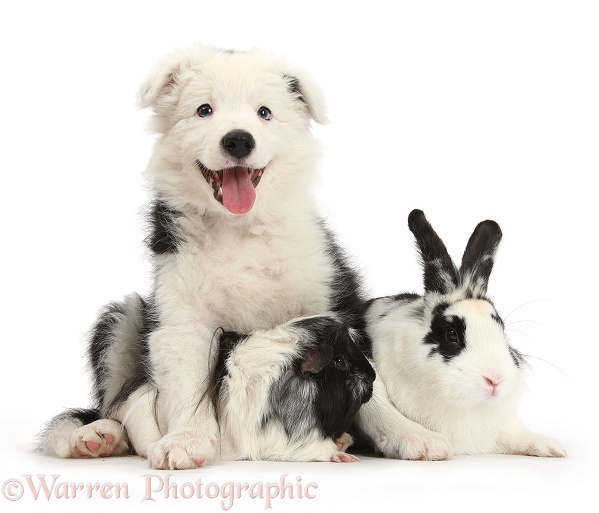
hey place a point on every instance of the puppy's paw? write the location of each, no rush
(99, 439)
(420, 444)
(181, 451)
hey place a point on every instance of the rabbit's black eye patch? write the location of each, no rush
(447, 334)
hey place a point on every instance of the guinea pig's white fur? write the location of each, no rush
(291, 393)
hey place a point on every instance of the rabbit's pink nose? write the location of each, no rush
(491, 382)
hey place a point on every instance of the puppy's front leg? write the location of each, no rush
(181, 360)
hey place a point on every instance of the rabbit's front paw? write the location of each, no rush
(533, 444)
(420, 444)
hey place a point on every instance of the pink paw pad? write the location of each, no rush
(94, 440)
(93, 446)
(93, 449)
(343, 457)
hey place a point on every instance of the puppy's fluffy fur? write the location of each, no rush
(237, 244)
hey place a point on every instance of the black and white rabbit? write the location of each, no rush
(290, 394)
(444, 357)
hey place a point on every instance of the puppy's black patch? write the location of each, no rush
(104, 335)
(102, 338)
(163, 237)
(86, 416)
(346, 300)
(293, 86)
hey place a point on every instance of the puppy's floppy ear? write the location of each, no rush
(306, 91)
(162, 80)
(317, 359)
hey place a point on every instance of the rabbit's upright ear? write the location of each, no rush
(440, 273)
(477, 262)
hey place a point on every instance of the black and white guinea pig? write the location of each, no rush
(290, 393)
(444, 357)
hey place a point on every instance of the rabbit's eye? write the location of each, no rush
(452, 337)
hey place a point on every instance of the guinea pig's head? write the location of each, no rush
(343, 375)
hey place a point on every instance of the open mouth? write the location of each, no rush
(233, 187)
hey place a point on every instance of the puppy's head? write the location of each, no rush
(235, 129)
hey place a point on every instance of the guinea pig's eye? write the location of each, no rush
(452, 337)
(264, 113)
(339, 362)
(204, 110)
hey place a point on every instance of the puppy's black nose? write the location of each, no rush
(238, 143)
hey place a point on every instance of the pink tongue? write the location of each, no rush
(238, 191)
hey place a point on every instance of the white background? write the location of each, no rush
(466, 110)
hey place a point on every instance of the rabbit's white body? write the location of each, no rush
(471, 417)
(444, 357)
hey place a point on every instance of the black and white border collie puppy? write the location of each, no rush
(237, 245)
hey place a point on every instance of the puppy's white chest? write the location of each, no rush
(245, 281)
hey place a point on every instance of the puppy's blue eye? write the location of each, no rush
(204, 110)
(264, 113)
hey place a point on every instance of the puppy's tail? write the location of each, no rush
(119, 335)
(55, 440)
